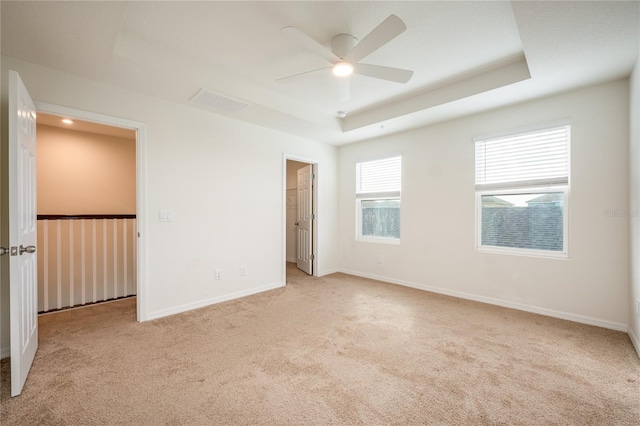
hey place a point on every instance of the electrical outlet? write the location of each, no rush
(243, 270)
(218, 274)
(380, 258)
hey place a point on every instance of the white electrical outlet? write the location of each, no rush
(243, 270)
(218, 274)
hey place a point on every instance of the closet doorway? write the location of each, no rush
(300, 215)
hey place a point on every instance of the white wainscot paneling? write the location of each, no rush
(85, 260)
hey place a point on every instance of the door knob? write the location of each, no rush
(297, 224)
(3, 251)
(28, 249)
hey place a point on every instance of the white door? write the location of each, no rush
(23, 274)
(304, 219)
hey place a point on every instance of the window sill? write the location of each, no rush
(395, 241)
(523, 252)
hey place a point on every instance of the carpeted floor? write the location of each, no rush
(331, 350)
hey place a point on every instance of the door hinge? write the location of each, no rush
(312, 216)
(313, 175)
(312, 257)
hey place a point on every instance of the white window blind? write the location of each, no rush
(539, 158)
(379, 178)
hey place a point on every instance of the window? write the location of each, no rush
(522, 183)
(378, 185)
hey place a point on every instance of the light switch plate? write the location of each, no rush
(166, 216)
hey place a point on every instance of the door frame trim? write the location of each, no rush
(316, 166)
(141, 185)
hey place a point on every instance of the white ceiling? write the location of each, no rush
(466, 56)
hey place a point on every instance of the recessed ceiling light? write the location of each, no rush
(342, 69)
(342, 114)
(67, 121)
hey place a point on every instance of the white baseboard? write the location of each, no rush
(212, 301)
(328, 272)
(291, 259)
(634, 340)
(5, 353)
(499, 302)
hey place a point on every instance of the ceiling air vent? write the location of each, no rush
(214, 100)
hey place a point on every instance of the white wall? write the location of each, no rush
(634, 207)
(437, 249)
(222, 178)
(292, 185)
(4, 237)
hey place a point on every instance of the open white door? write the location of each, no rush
(304, 219)
(23, 274)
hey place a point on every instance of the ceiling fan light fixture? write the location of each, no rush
(342, 69)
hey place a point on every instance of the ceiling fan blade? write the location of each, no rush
(381, 35)
(384, 73)
(294, 77)
(307, 42)
(344, 90)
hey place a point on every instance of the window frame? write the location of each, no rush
(374, 196)
(369, 239)
(564, 254)
(508, 188)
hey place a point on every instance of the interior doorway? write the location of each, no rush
(86, 191)
(301, 241)
(101, 240)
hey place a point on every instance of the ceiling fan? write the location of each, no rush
(345, 55)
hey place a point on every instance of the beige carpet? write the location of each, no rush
(334, 350)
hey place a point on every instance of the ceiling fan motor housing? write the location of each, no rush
(342, 44)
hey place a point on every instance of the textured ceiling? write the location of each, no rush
(466, 56)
